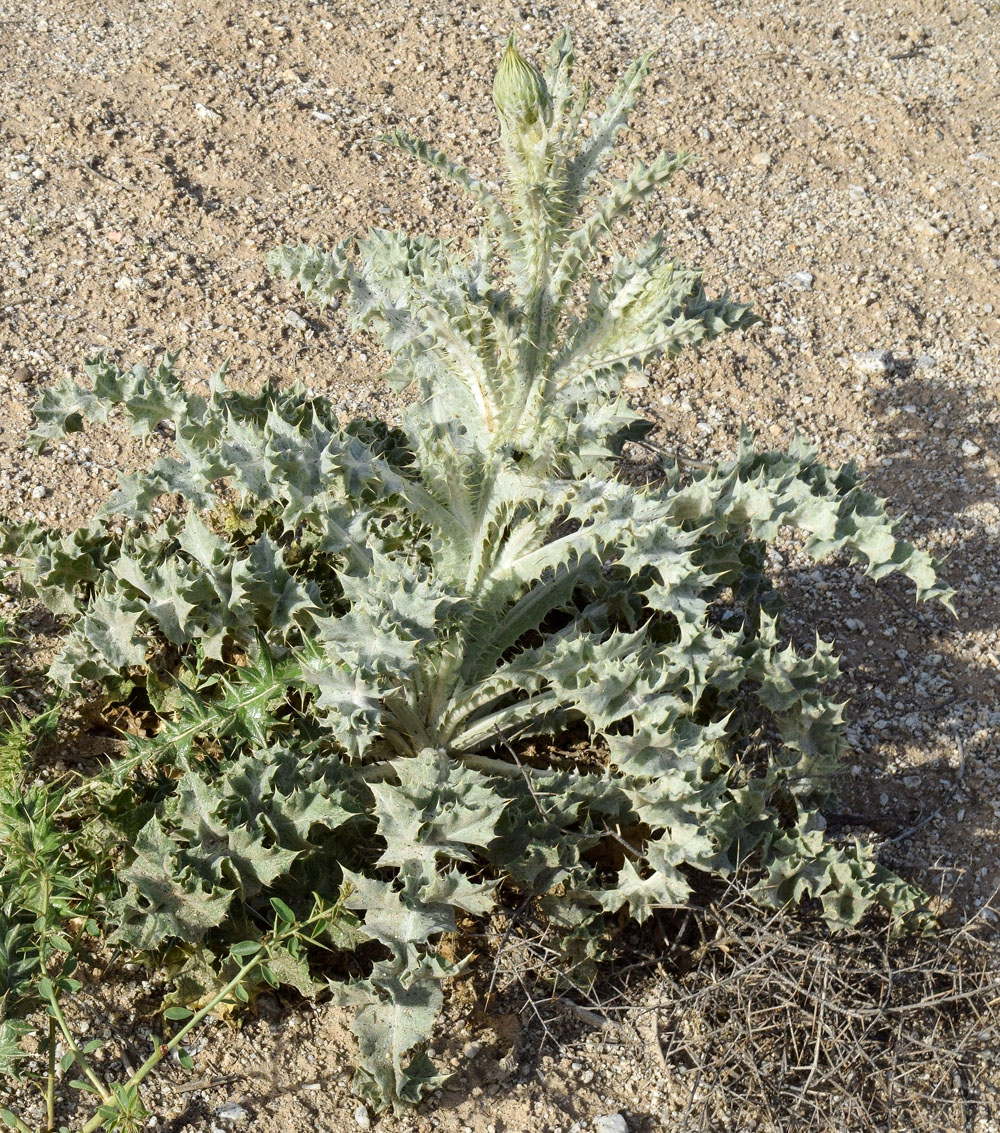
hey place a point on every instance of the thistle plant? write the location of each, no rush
(364, 647)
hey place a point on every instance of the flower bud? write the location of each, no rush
(519, 91)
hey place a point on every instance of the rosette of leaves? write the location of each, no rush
(367, 646)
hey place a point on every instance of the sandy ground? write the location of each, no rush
(849, 188)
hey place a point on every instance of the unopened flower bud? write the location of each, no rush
(519, 91)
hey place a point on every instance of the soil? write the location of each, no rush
(848, 188)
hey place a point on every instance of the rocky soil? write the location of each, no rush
(848, 187)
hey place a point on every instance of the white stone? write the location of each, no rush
(610, 1123)
(131, 283)
(925, 228)
(361, 1117)
(970, 448)
(873, 362)
(230, 1111)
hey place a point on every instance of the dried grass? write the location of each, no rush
(761, 1021)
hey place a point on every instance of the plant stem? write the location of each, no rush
(78, 1058)
(163, 1049)
(43, 956)
(50, 1080)
(498, 766)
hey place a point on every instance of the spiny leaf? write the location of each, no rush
(321, 276)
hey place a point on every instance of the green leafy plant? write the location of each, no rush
(20, 733)
(120, 1108)
(424, 670)
(49, 893)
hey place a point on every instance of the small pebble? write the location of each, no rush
(610, 1123)
(764, 159)
(39, 492)
(230, 1111)
(925, 228)
(295, 320)
(801, 280)
(361, 1117)
(969, 448)
(873, 362)
(926, 362)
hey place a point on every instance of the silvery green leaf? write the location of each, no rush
(104, 642)
(57, 567)
(400, 1016)
(163, 902)
(770, 490)
(659, 890)
(439, 808)
(457, 173)
(348, 705)
(637, 187)
(62, 409)
(137, 493)
(603, 131)
(282, 601)
(203, 545)
(320, 275)
(402, 920)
